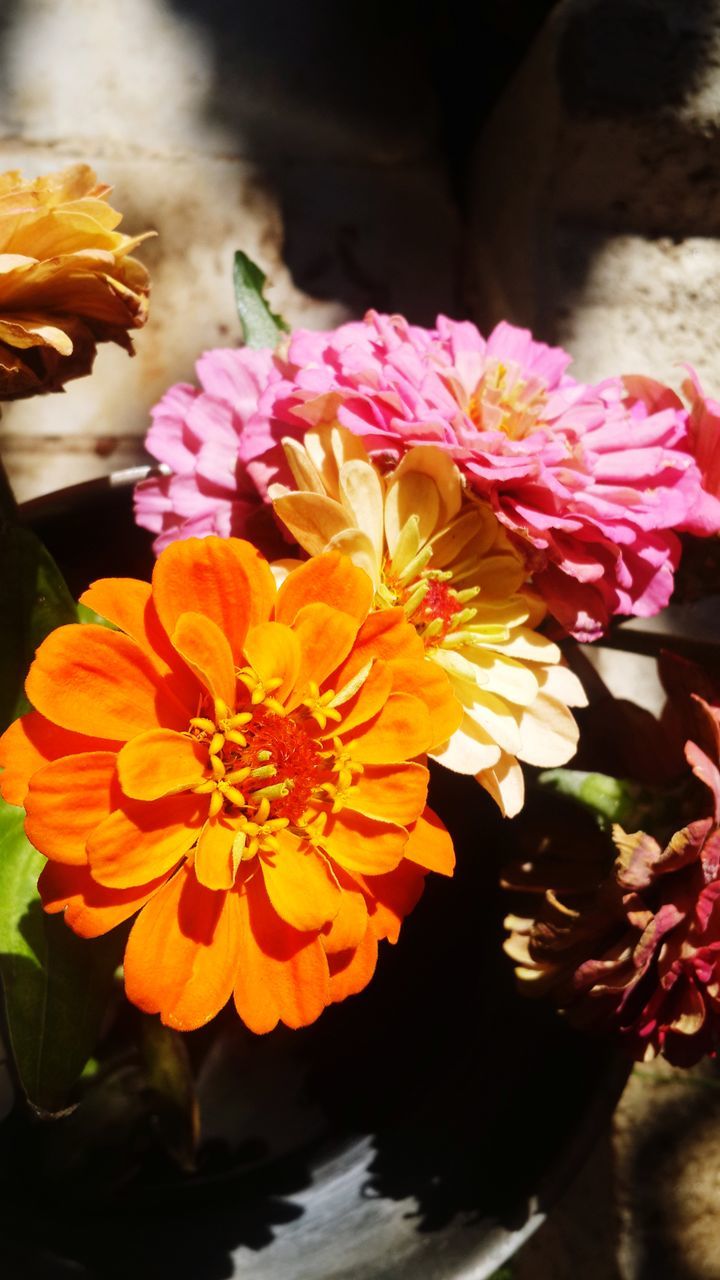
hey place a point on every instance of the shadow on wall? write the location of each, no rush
(671, 1179)
(361, 118)
(633, 155)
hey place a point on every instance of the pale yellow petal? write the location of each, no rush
(504, 677)
(562, 683)
(346, 446)
(495, 718)
(305, 474)
(281, 568)
(328, 447)
(428, 460)
(466, 530)
(530, 646)
(506, 785)
(311, 518)
(357, 545)
(469, 750)
(408, 544)
(548, 733)
(412, 494)
(361, 492)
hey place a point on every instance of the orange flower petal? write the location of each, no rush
(273, 651)
(33, 741)
(300, 885)
(66, 800)
(430, 683)
(128, 604)
(123, 601)
(430, 845)
(90, 909)
(370, 698)
(347, 930)
(100, 682)
(401, 730)
(144, 841)
(395, 793)
(330, 579)
(386, 634)
(182, 953)
(213, 856)
(226, 579)
(325, 637)
(391, 897)
(202, 645)
(161, 763)
(350, 971)
(282, 975)
(362, 844)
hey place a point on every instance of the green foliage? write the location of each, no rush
(609, 799)
(33, 601)
(56, 985)
(260, 326)
(89, 615)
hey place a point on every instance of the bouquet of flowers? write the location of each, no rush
(377, 547)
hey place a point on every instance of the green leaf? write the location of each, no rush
(89, 615)
(33, 601)
(260, 326)
(57, 986)
(609, 799)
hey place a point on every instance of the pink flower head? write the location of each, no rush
(588, 479)
(198, 433)
(703, 441)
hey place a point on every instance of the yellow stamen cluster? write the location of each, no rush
(232, 783)
(261, 691)
(517, 401)
(319, 705)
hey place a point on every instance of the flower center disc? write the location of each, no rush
(440, 602)
(504, 401)
(299, 768)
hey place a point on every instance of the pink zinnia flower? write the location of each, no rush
(703, 434)
(705, 439)
(588, 479)
(197, 432)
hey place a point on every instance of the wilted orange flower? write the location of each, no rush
(238, 764)
(67, 281)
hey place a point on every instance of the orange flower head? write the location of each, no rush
(67, 280)
(241, 768)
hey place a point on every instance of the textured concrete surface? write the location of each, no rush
(602, 231)
(646, 1205)
(207, 140)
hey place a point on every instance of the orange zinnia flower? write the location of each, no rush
(67, 280)
(239, 765)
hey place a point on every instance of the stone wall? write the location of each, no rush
(596, 209)
(220, 126)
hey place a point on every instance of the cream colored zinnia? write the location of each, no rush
(67, 280)
(444, 558)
